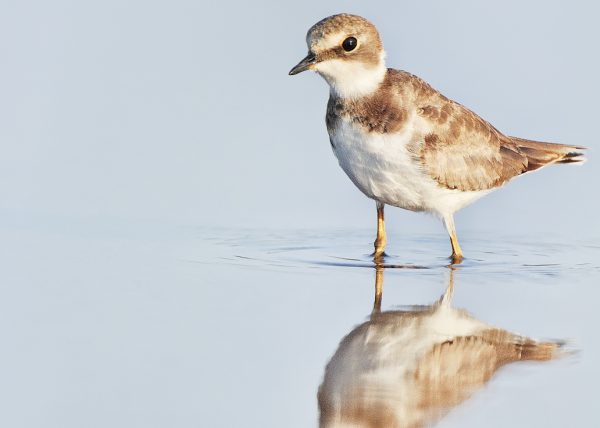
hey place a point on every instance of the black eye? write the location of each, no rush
(349, 44)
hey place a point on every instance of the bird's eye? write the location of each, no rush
(349, 44)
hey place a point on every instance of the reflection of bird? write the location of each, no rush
(403, 143)
(408, 368)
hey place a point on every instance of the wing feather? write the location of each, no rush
(456, 147)
(465, 152)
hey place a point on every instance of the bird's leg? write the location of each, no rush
(378, 289)
(457, 255)
(381, 237)
(446, 299)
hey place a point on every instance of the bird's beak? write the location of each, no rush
(305, 64)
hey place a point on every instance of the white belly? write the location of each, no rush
(383, 169)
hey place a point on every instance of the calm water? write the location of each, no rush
(143, 325)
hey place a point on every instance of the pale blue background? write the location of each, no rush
(132, 131)
(183, 111)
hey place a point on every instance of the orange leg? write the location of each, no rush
(381, 240)
(457, 254)
(378, 289)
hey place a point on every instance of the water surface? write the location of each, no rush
(152, 325)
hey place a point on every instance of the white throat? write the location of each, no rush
(351, 79)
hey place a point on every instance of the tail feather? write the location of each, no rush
(538, 351)
(540, 154)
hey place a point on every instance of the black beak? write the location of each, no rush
(305, 64)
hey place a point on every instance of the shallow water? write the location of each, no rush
(151, 325)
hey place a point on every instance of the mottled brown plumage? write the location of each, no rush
(457, 148)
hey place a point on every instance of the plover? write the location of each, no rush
(407, 368)
(403, 143)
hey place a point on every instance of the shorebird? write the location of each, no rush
(408, 368)
(403, 143)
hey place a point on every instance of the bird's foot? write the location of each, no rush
(456, 259)
(379, 245)
(379, 257)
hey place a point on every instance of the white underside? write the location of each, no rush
(383, 169)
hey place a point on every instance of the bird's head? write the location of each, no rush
(347, 51)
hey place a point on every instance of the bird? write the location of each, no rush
(402, 142)
(408, 367)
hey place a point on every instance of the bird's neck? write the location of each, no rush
(352, 79)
